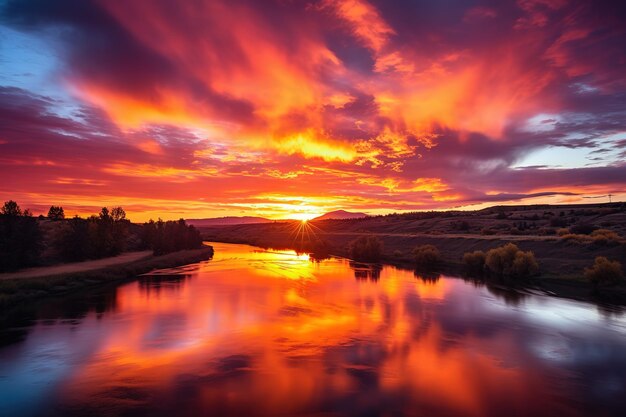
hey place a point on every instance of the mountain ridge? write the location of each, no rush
(340, 214)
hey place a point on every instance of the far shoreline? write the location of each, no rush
(569, 286)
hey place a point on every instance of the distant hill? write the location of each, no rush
(340, 214)
(228, 221)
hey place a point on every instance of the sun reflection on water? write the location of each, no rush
(262, 332)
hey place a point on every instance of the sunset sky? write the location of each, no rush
(289, 108)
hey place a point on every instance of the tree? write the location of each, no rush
(20, 238)
(118, 214)
(104, 214)
(164, 237)
(73, 240)
(10, 208)
(56, 213)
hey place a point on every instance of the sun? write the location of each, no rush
(305, 215)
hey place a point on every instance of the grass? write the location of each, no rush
(13, 291)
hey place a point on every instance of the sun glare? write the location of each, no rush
(305, 214)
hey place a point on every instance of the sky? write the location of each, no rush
(290, 108)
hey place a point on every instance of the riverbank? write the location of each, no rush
(46, 271)
(561, 262)
(74, 277)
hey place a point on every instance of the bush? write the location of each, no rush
(605, 237)
(604, 271)
(562, 231)
(474, 261)
(366, 249)
(509, 260)
(601, 237)
(524, 265)
(426, 256)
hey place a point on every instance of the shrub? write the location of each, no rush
(366, 248)
(562, 231)
(576, 238)
(397, 253)
(524, 264)
(604, 271)
(474, 261)
(426, 256)
(509, 260)
(487, 231)
(500, 260)
(605, 237)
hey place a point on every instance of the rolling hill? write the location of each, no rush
(340, 215)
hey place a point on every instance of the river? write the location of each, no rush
(272, 333)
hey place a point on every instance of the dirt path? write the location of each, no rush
(77, 266)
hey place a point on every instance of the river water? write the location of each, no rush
(273, 333)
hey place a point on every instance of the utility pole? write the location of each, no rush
(610, 195)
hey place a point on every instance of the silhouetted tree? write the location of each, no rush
(56, 213)
(20, 237)
(95, 237)
(118, 214)
(10, 208)
(164, 237)
(73, 240)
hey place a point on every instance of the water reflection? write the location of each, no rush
(364, 271)
(273, 333)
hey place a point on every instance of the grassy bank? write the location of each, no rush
(13, 291)
(561, 261)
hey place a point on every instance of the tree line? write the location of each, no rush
(27, 241)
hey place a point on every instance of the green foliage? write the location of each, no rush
(474, 261)
(509, 260)
(366, 249)
(426, 256)
(56, 213)
(604, 272)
